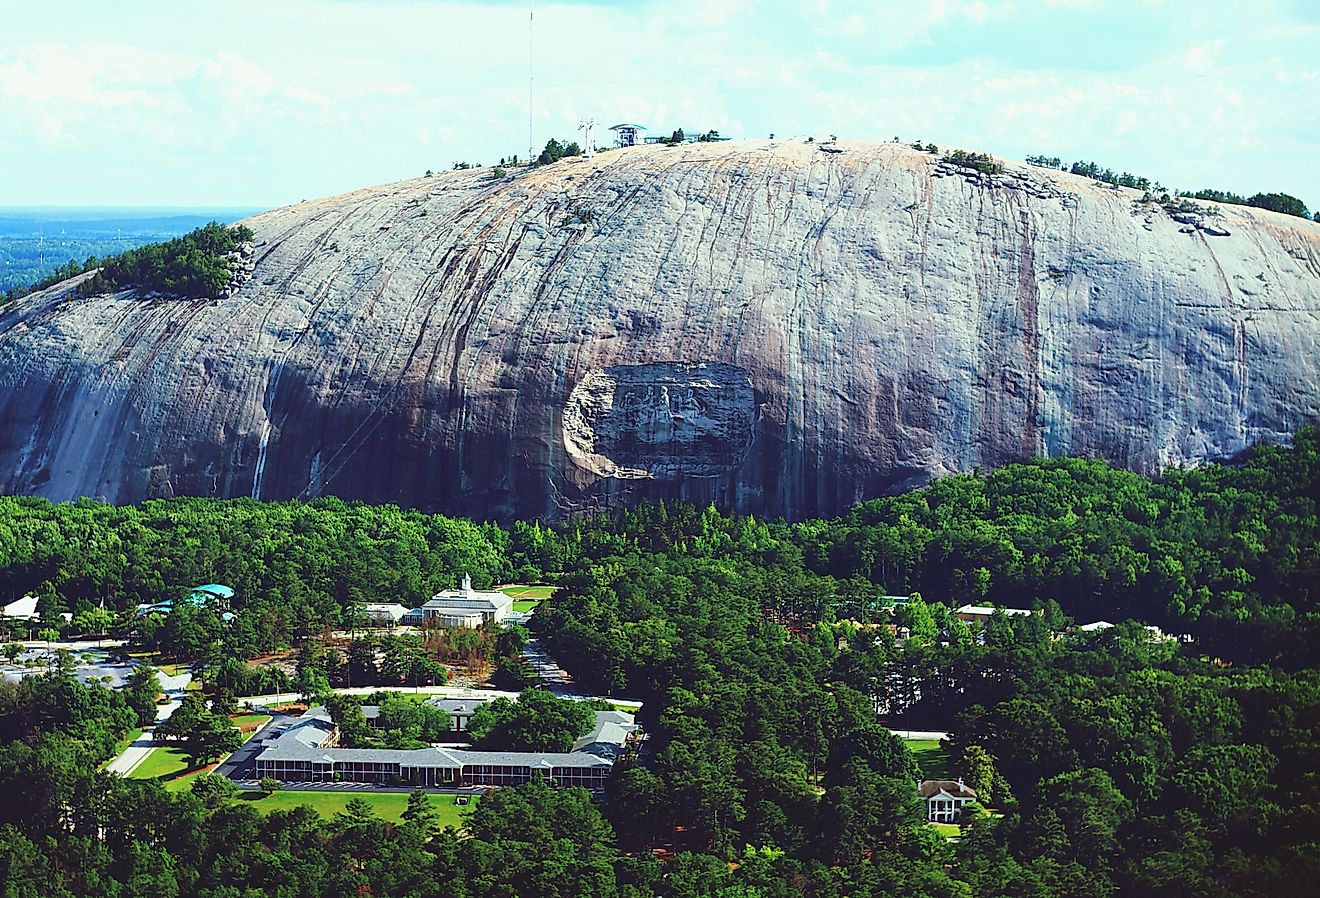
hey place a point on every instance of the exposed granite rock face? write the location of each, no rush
(665, 420)
(763, 325)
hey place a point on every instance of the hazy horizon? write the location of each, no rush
(157, 104)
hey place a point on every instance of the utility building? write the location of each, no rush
(626, 135)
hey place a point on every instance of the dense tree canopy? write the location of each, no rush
(772, 658)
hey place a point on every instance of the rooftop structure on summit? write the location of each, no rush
(688, 136)
(627, 135)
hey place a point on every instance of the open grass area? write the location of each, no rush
(948, 830)
(532, 593)
(522, 606)
(247, 722)
(388, 805)
(933, 760)
(161, 762)
(172, 670)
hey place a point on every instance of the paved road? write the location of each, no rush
(139, 748)
(555, 678)
(253, 701)
(444, 691)
(238, 766)
(133, 755)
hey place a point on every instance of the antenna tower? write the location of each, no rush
(531, 78)
(585, 126)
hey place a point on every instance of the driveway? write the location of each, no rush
(137, 751)
(135, 754)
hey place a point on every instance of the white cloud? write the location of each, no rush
(396, 88)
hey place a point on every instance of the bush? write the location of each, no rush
(554, 151)
(269, 785)
(214, 789)
(982, 162)
(197, 265)
(1045, 161)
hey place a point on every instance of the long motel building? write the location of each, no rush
(307, 751)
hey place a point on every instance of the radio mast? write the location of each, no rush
(585, 126)
(531, 78)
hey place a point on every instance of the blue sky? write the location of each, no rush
(247, 103)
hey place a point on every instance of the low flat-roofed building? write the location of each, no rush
(460, 710)
(466, 607)
(982, 613)
(304, 752)
(21, 609)
(383, 614)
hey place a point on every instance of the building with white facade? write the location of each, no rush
(945, 799)
(307, 751)
(627, 135)
(463, 607)
(383, 614)
(982, 613)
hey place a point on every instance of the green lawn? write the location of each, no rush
(933, 760)
(947, 829)
(522, 606)
(535, 593)
(388, 805)
(243, 720)
(161, 762)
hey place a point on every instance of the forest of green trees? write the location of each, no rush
(1114, 762)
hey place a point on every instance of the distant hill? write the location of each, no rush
(767, 325)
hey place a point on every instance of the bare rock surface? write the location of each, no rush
(759, 324)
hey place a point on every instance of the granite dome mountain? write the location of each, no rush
(774, 328)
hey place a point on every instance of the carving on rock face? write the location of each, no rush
(662, 421)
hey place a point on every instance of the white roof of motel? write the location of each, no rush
(987, 610)
(300, 742)
(1097, 625)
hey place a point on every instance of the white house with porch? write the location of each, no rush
(945, 799)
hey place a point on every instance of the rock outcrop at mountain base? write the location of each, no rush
(759, 324)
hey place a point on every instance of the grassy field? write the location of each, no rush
(522, 606)
(246, 722)
(948, 830)
(528, 592)
(160, 762)
(388, 805)
(933, 760)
